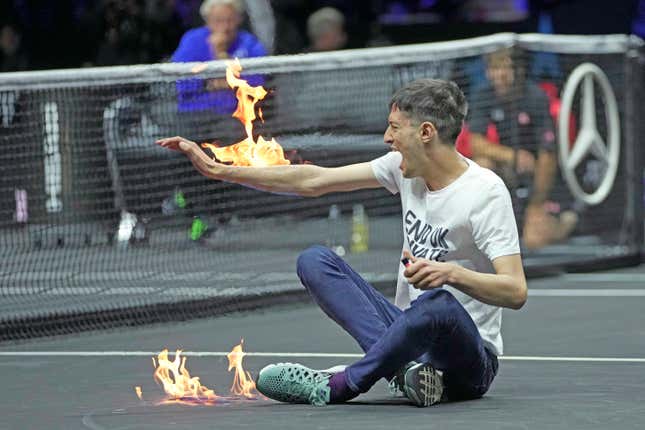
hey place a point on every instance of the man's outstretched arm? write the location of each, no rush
(304, 179)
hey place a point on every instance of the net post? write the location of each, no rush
(634, 63)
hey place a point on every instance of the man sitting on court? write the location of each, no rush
(441, 338)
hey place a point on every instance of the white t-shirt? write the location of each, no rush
(470, 222)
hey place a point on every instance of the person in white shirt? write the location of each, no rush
(441, 338)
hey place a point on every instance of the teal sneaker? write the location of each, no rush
(423, 384)
(294, 383)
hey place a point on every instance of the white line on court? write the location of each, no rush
(296, 355)
(586, 292)
(605, 277)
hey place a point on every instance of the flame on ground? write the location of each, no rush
(137, 390)
(177, 382)
(247, 152)
(243, 384)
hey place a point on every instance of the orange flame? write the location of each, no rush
(137, 390)
(243, 384)
(176, 380)
(247, 152)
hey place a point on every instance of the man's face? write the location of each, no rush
(224, 20)
(501, 75)
(403, 135)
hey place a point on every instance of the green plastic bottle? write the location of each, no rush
(360, 230)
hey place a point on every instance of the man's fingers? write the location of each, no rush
(434, 280)
(437, 282)
(426, 281)
(421, 274)
(177, 143)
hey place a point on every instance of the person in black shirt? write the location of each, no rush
(513, 134)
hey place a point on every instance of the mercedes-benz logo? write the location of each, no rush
(589, 140)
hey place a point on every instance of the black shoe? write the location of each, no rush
(423, 384)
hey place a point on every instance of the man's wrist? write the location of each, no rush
(220, 171)
(456, 275)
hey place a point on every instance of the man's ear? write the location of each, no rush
(428, 131)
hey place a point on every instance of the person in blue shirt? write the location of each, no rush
(220, 38)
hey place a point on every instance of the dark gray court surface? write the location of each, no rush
(575, 359)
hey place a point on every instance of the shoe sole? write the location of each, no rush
(423, 385)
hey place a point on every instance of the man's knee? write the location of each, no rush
(312, 259)
(436, 305)
(438, 298)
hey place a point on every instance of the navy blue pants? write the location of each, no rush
(435, 328)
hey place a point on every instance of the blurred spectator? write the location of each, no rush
(12, 55)
(221, 37)
(326, 30)
(513, 109)
(124, 34)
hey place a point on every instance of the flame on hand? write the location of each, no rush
(247, 152)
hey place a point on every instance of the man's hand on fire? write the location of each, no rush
(202, 162)
(426, 274)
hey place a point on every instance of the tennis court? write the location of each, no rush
(574, 359)
(114, 249)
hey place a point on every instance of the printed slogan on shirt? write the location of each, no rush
(425, 240)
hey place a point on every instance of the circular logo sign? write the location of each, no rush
(588, 140)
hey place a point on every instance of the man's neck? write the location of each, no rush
(444, 165)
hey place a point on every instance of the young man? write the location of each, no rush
(442, 338)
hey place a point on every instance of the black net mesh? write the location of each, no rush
(100, 227)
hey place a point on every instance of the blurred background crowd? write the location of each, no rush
(37, 34)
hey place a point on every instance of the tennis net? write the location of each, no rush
(99, 227)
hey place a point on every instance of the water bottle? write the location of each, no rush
(197, 229)
(360, 230)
